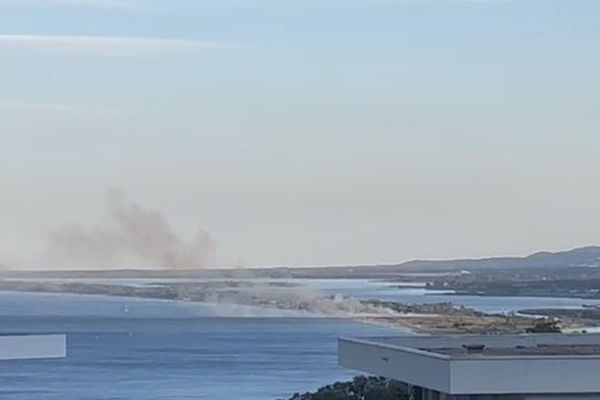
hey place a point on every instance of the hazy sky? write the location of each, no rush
(305, 131)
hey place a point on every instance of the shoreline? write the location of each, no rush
(441, 318)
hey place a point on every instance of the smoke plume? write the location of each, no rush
(133, 237)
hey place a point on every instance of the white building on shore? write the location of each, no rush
(488, 367)
(23, 347)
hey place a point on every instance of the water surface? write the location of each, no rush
(147, 349)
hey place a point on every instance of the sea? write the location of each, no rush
(141, 349)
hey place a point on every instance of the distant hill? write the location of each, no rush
(580, 257)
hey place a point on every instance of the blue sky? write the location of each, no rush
(306, 132)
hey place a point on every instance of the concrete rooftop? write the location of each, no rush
(481, 364)
(537, 351)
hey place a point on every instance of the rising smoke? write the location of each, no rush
(133, 237)
(260, 297)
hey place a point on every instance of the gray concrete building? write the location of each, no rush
(483, 367)
(23, 347)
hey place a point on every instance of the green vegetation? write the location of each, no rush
(360, 388)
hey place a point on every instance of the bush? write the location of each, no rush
(360, 388)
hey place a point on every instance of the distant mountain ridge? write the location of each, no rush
(578, 257)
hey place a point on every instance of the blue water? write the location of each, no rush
(138, 349)
(146, 349)
(368, 289)
(373, 289)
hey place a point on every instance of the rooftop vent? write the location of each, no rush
(474, 348)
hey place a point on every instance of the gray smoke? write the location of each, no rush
(285, 297)
(133, 237)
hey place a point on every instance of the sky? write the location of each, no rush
(304, 132)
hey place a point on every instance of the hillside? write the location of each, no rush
(583, 257)
(580, 257)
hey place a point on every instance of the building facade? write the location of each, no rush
(483, 367)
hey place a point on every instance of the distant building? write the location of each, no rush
(19, 347)
(492, 367)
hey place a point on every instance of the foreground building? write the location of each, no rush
(23, 347)
(488, 367)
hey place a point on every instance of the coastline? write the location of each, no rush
(278, 301)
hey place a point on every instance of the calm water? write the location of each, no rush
(366, 289)
(149, 349)
(144, 349)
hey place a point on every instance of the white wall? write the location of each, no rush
(32, 346)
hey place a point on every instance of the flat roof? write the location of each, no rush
(541, 350)
(481, 364)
